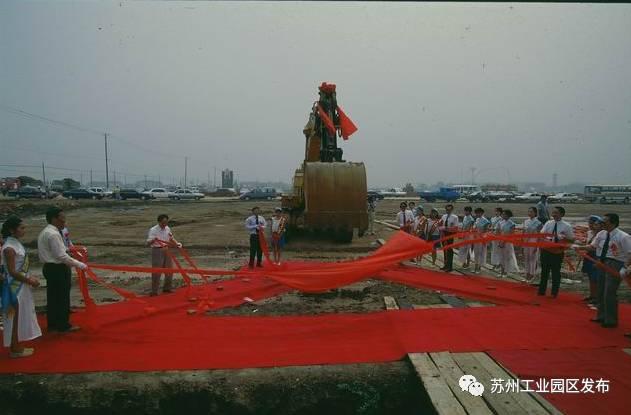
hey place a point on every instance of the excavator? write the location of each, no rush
(329, 194)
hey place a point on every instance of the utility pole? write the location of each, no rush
(215, 178)
(114, 177)
(44, 178)
(107, 174)
(185, 171)
(472, 174)
(91, 184)
(145, 181)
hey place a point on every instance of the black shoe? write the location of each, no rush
(541, 294)
(259, 265)
(596, 320)
(609, 325)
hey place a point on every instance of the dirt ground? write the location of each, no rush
(213, 232)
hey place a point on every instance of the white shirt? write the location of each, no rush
(451, 223)
(51, 248)
(619, 244)
(467, 222)
(564, 230)
(251, 225)
(161, 234)
(409, 217)
(532, 225)
(18, 248)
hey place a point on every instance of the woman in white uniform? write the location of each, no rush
(532, 225)
(508, 261)
(18, 308)
(495, 251)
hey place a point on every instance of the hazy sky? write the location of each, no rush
(518, 91)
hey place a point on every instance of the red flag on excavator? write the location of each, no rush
(347, 127)
(326, 120)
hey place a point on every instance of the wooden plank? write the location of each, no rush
(421, 307)
(527, 402)
(435, 385)
(390, 303)
(500, 403)
(627, 351)
(381, 242)
(386, 224)
(451, 372)
(477, 304)
(453, 301)
(537, 397)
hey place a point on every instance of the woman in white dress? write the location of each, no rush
(495, 251)
(481, 226)
(531, 254)
(508, 261)
(20, 320)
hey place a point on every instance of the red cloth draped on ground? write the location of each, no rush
(347, 127)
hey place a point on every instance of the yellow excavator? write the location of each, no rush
(329, 194)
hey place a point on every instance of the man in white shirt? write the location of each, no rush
(160, 238)
(52, 253)
(613, 248)
(552, 258)
(449, 225)
(253, 223)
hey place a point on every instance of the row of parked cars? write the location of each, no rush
(451, 195)
(98, 193)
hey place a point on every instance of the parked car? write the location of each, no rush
(182, 194)
(157, 193)
(479, 196)
(264, 193)
(133, 194)
(531, 197)
(444, 193)
(500, 196)
(375, 194)
(27, 192)
(81, 194)
(223, 192)
(394, 192)
(101, 191)
(564, 197)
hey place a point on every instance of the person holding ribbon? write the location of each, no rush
(278, 230)
(449, 226)
(531, 225)
(481, 226)
(613, 249)
(18, 307)
(160, 239)
(253, 224)
(465, 251)
(559, 231)
(57, 271)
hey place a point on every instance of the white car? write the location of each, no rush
(183, 194)
(100, 191)
(529, 197)
(563, 197)
(395, 192)
(157, 193)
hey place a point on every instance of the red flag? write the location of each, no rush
(327, 121)
(347, 127)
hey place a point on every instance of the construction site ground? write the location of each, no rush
(213, 231)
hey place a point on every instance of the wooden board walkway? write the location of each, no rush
(440, 375)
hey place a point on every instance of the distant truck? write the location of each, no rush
(444, 193)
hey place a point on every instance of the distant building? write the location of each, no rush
(227, 178)
(9, 183)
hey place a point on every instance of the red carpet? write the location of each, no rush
(533, 336)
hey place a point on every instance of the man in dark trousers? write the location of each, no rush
(57, 271)
(449, 225)
(253, 224)
(552, 258)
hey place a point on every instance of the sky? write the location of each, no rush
(517, 92)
